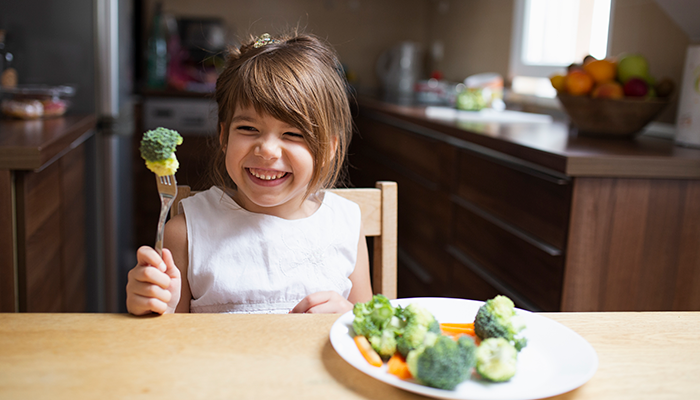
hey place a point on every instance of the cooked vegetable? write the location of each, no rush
(380, 323)
(373, 316)
(442, 363)
(456, 329)
(497, 319)
(384, 343)
(419, 321)
(158, 149)
(439, 355)
(367, 351)
(496, 359)
(397, 366)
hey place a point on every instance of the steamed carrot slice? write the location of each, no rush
(453, 329)
(458, 324)
(367, 351)
(397, 366)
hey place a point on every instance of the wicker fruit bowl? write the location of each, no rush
(623, 118)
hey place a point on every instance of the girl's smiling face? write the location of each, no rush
(271, 164)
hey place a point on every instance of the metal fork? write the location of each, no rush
(167, 189)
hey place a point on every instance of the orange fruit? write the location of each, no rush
(558, 82)
(608, 90)
(601, 70)
(578, 83)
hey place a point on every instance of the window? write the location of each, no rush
(549, 35)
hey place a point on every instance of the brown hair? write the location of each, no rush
(296, 79)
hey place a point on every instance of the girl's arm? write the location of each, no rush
(175, 239)
(361, 284)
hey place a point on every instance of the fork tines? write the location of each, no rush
(167, 179)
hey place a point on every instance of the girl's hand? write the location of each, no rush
(328, 302)
(154, 283)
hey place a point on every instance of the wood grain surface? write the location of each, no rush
(8, 291)
(553, 146)
(42, 213)
(217, 356)
(556, 221)
(29, 145)
(645, 238)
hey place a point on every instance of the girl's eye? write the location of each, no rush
(294, 135)
(246, 128)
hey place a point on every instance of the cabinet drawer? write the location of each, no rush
(467, 284)
(405, 151)
(524, 269)
(527, 201)
(423, 216)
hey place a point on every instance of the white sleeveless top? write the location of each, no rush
(245, 262)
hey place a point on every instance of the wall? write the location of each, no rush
(475, 34)
(641, 26)
(358, 29)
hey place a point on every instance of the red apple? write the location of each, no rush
(636, 87)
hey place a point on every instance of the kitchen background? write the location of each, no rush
(100, 47)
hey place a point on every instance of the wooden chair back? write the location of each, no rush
(379, 220)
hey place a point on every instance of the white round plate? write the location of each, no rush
(555, 361)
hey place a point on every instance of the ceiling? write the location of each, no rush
(685, 13)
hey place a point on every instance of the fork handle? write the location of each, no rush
(164, 209)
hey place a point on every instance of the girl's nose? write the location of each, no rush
(268, 148)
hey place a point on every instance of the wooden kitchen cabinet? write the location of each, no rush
(43, 214)
(555, 221)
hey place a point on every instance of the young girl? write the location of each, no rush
(267, 238)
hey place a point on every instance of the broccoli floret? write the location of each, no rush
(384, 344)
(419, 321)
(443, 364)
(372, 317)
(159, 144)
(496, 359)
(497, 319)
(468, 347)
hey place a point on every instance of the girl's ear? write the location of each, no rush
(334, 147)
(221, 137)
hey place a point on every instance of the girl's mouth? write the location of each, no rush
(266, 174)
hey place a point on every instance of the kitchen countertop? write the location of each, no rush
(642, 355)
(551, 145)
(33, 144)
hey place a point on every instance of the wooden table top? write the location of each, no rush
(651, 355)
(555, 147)
(32, 144)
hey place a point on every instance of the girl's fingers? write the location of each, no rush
(324, 308)
(301, 307)
(139, 305)
(149, 274)
(148, 290)
(170, 268)
(323, 302)
(148, 256)
(310, 301)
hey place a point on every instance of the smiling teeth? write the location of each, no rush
(266, 176)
